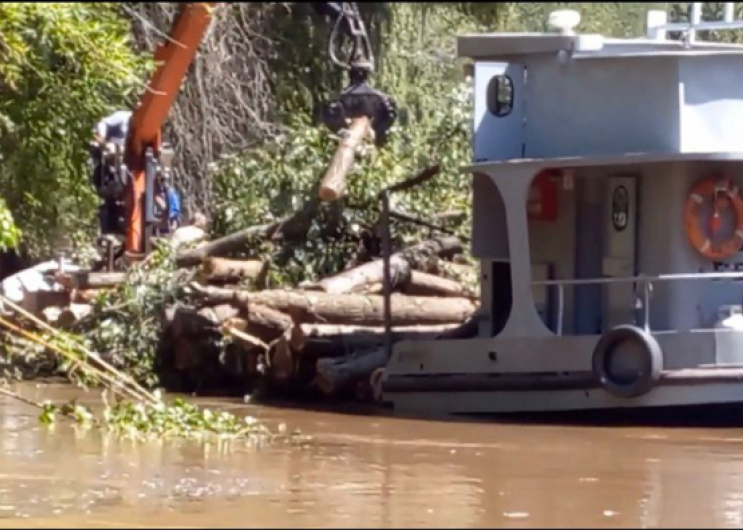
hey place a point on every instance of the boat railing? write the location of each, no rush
(643, 279)
(658, 25)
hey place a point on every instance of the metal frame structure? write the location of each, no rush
(658, 25)
(647, 288)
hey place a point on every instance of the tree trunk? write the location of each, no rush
(364, 310)
(267, 323)
(190, 322)
(334, 183)
(358, 278)
(336, 375)
(280, 361)
(443, 247)
(327, 340)
(223, 270)
(424, 284)
(454, 271)
(370, 276)
(236, 328)
(227, 244)
(263, 321)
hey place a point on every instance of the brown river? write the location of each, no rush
(370, 471)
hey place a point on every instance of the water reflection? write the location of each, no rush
(374, 472)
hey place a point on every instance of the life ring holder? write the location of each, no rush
(652, 361)
(710, 187)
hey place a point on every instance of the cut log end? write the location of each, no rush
(334, 183)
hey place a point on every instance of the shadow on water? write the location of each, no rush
(686, 417)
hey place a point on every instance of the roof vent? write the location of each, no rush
(564, 21)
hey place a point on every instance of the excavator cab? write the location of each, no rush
(110, 177)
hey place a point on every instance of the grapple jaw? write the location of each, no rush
(358, 100)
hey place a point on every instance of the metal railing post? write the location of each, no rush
(646, 305)
(560, 308)
(384, 197)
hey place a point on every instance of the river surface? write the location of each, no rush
(370, 471)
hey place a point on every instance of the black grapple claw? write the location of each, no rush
(362, 100)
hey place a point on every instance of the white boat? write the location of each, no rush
(608, 224)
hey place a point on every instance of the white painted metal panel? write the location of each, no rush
(619, 253)
(499, 127)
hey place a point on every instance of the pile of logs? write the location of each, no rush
(327, 336)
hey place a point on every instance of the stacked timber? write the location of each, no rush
(326, 337)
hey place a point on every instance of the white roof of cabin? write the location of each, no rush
(489, 46)
(609, 160)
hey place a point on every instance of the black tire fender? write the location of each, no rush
(652, 365)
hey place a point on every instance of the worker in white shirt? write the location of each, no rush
(113, 128)
(109, 137)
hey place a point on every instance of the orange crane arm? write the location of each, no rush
(173, 59)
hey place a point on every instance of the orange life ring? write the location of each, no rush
(710, 189)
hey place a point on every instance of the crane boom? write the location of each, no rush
(173, 58)
(145, 156)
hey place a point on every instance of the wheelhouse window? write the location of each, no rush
(500, 95)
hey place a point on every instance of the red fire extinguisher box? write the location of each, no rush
(542, 201)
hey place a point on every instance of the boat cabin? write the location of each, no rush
(595, 144)
(608, 221)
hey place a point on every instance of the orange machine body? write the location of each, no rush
(173, 58)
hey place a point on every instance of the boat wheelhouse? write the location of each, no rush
(608, 224)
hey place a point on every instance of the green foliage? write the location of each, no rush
(63, 66)
(272, 181)
(178, 419)
(127, 321)
(10, 235)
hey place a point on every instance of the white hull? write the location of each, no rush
(502, 402)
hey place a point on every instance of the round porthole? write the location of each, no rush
(500, 95)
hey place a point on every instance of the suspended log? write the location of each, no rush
(364, 309)
(337, 375)
(334, 183)
(328, 340)
(424, 284)
(223, 270)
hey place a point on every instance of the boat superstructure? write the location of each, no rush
(608, 224)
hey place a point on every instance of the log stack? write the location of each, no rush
(326, 337)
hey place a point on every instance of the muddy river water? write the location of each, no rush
(371, 471)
